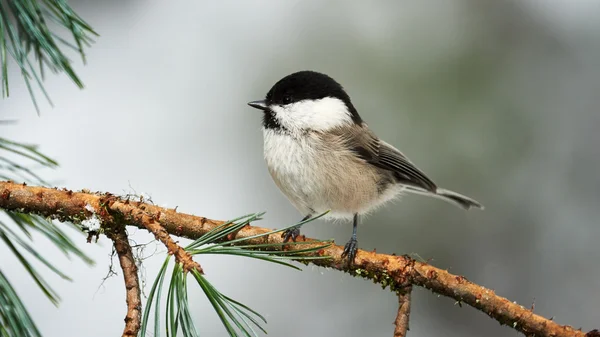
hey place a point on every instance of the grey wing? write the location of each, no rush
(383, 155)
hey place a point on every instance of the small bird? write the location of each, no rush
(323, 156)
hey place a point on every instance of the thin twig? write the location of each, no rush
(403, 316)
(133, 318)
(137, 215)
(396, 272)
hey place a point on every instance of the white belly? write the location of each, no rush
(315, 179)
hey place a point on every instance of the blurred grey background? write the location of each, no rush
(495, 99)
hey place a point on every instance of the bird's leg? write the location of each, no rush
(352, 245)
(293, 232)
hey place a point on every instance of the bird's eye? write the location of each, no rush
(287, 99)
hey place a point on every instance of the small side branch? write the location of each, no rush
(403, 316)
(138, 215)
(133, 318)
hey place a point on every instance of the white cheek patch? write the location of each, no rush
(319, 115)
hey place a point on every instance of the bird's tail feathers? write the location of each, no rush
(449, 196)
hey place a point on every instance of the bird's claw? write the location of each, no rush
(291, 233)
(350, 250)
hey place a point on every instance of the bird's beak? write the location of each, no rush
(261, 105)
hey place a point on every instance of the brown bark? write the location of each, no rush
(133, 318)
(403, 315)
(388, 270)
(151, 221)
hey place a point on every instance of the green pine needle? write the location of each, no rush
(14, 318)
(16, 232)
(24, 151)
(237, 318)
(24, 31)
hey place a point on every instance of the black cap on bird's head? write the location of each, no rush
(305, 86)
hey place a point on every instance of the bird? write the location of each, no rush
(323, 156)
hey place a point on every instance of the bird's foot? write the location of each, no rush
(350, 250)
(291, 233)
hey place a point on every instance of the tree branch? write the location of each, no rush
(133, 318)
(138, 215)
(401, 321)
(396, 272)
